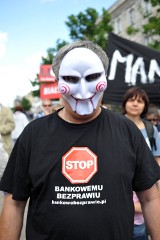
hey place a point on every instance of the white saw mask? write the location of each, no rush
(82, 80)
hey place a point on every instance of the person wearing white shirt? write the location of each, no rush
(21, 121)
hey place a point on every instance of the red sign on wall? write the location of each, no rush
(46, 74)
(49, 90)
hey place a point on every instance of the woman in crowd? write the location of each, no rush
(135, 105)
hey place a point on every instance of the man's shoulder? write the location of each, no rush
(39, 126)
(120, 121)
(115, 116)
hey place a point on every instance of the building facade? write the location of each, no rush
(128, 18)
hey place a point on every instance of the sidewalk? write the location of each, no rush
(23, 230)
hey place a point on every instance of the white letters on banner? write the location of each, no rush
(50, 90)
(135, 69)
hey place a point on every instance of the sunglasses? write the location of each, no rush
(153, 119)
(45, 105)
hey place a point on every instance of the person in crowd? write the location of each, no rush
(152, 115)
(46, 108)
(20, 120)
(140, 231)
(80, 165)
(7, 125)
(57, 106)
(135, 105)
(3, 157)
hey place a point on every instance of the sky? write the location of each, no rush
(27, 29)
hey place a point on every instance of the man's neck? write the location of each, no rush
(72, 117)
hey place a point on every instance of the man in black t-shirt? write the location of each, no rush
(80, 165)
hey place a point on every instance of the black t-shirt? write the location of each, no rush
(80, 177)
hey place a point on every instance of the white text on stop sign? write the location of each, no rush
(82, 164)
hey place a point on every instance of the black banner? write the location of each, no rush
(131, 64)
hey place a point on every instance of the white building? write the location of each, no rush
(129, 16)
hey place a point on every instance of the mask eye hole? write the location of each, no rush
(93, 77)
(70, 79)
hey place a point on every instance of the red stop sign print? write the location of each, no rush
(79, 165)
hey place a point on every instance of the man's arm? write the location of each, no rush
(158, 160)
(137, 207)
(11, 219)
(150, 202)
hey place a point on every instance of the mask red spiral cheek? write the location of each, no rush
(101, 86)
(64, 89)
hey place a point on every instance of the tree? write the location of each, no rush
(46, 61)
(25, 103)
(90, 26)
(35, 83)
(52, 51)
(153, 2)
(152, 27)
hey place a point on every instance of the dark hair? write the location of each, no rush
(152, 109)
(135, 92)
(19, 108)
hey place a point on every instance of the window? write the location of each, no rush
(147, 7)
(131, 16)
(117, 25)
(147, 40)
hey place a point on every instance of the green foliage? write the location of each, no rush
(103, 28)
(131, 30)
(155, 44)
(153, 2)
(90, 26)
(82, 26)
(48, 59)
(35, 82)
(152, 27)
(52, 51)
(25, 104)
(59, 44)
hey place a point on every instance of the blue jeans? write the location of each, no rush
(139, 232)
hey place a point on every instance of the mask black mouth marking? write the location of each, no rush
(83, 100)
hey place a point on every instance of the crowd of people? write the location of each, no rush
(12, 123)
(89, 173)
